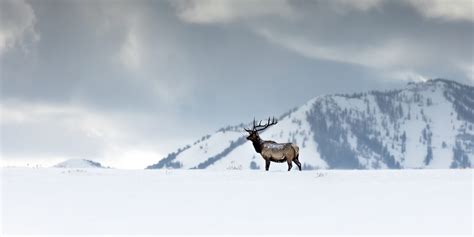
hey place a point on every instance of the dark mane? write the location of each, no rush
(257, 144)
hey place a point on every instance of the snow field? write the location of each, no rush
(107, 201)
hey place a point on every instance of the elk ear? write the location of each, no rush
(248, 130)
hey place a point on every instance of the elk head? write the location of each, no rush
(253, 133)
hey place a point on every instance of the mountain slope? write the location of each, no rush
(424, 125)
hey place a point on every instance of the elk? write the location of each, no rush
(270, 150)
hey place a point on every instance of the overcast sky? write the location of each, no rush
(126, 82)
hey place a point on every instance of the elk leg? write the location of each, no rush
(290, 165)
(297, 162)
(267, 164)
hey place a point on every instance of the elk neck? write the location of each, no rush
(258, 144)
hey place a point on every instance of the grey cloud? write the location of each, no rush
(78, 59)
(224, 11)
(38, 140)
(40, 131)
(17, 25)
(459, 10)
(392, 37)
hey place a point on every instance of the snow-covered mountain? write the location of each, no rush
(424, 125)
(79, 163)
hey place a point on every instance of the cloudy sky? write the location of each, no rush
(126, 82)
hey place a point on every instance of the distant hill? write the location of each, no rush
(79, 163)
(423, 125)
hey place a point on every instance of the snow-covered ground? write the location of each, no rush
(107, 201)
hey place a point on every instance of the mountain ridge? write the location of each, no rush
(401, 128)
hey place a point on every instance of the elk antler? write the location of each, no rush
(253, 128)
(260, 127)
(269, 123)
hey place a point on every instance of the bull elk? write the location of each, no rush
(270, 150)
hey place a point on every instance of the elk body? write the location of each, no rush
(270, 150)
